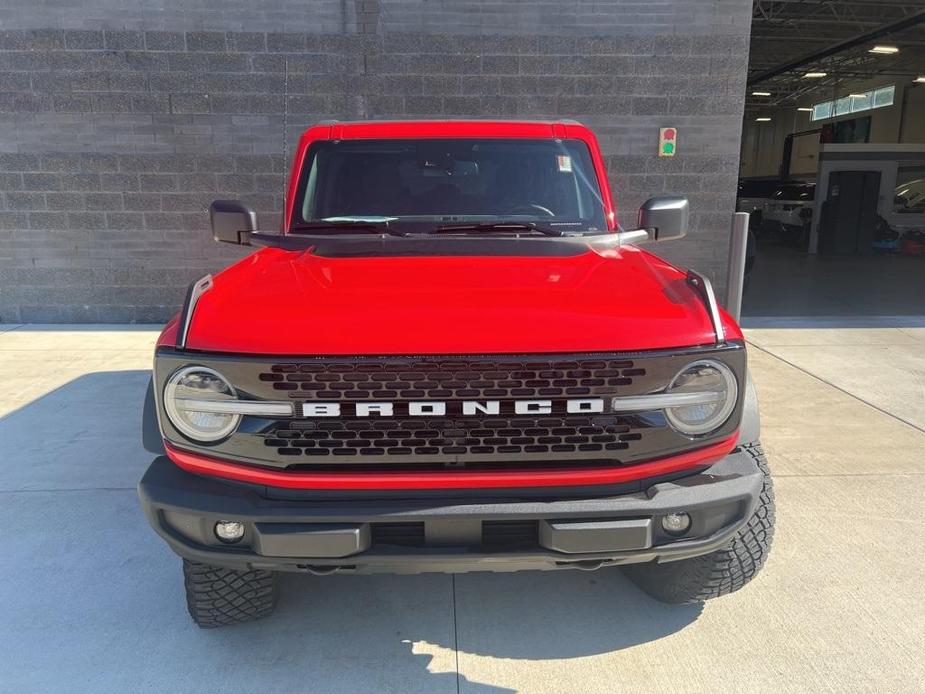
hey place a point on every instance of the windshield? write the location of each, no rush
(420, 184)
(761, 188)
(795, 192)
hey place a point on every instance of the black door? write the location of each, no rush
(849, 213)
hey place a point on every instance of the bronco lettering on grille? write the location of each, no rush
(440, 408)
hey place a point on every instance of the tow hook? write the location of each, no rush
(586, 565)
(317, 570)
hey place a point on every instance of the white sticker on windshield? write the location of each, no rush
(565, 163)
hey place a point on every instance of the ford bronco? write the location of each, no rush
(452, 358)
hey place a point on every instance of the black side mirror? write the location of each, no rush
(232, 221)
(665, 217)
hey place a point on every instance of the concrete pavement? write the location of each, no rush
(91, 599)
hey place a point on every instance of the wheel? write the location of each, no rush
(216, 596)
(722, 571)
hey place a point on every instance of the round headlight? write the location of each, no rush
(187, 397)
(710, 389)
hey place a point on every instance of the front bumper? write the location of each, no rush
(453, 534)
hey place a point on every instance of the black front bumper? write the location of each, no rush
(461, 533)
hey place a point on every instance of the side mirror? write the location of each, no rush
(232, 221)
(664, 217)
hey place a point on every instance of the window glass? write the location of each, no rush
(843, 106)
(861, 102)
(823, 110)
(417, 182)
(884, 96)
(801, 192)
(875, 98)
(909, 195)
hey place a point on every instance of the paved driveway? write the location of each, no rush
(91, 600)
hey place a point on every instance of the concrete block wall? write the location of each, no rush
(121, 120)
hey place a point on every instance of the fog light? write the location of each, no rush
(676, 523)
(229, 531)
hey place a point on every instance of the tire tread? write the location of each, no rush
(723, 571)
(217, 596)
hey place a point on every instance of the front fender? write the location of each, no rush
(750, 427)
(151, 437)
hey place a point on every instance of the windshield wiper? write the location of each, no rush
(333, 227)
(496, 226)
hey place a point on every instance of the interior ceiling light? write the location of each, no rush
(761, 93)
(763, 119)
(858, 96)
(805, 108)
(884, 50)
(920, 80)
(815, 75)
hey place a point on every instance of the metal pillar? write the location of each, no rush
(738, 243)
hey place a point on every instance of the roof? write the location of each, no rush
(784, 32)
(344, 130)
(402, 121)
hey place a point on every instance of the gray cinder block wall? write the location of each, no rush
(120, 120)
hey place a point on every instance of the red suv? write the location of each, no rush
(451, 358)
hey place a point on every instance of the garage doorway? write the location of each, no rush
(856, 250)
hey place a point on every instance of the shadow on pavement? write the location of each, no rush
(83, 434)
(75, 454)
(560, 614)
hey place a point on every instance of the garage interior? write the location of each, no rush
(832, 167)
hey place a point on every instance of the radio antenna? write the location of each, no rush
(284, 146)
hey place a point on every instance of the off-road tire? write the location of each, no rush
(217, 597)
(723, 571)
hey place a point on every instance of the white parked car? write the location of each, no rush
(790, 207)
(909, 197)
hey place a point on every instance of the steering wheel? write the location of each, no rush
(532, 208)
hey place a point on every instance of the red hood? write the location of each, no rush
(288, 302)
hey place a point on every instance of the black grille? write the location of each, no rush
(377, 379)
(510, 440)
(472, 436)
